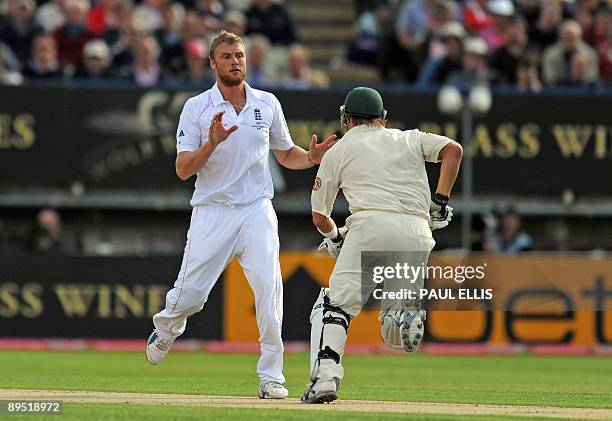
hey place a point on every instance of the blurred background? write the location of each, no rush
(93, 218)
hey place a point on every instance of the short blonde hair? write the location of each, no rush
(223, 37)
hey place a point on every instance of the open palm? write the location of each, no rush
(217, 132)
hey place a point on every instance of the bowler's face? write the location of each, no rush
(229, 64)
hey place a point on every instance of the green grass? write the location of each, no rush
(119, 412)
(520, 380)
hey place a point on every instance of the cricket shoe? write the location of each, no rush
(412, 327)
(321, 392)
(270, 389)
(157, 348)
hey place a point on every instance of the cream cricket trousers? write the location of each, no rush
(374, 231)
(218, 233)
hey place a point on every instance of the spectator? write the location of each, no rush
(174, 57)
(104, 15)
(148, 15)
(146, 68)
(72, 37)
(299, 75)
(44, 63)
(602, 22)
(502, 12)
(258, 74)
(412, 31)
(475, 70)
(556, 61)
(235, 22)
(445, 58)
(19, 28)
(605, 58)
(364, 47)
(122, 41)
(505, 59)
(169, 36)
(50, 15)
(544, 32)
(96, 61)
(272, 20)
(579, 75)
(46, 234)
(9, 67)
(211, 8)
(509, 239)
(476, 15)
(527, 76)
(198, 70)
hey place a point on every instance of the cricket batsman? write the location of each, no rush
(382, 174)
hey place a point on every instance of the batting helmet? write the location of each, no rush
(362, 102)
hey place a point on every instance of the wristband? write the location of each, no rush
(333, 234)
(440, 199)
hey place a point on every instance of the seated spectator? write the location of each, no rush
(476, 15)
(505, 59)
(475, 70)
(544, 32)
(122, 41)
(602, 22)
(509, 239)
(44, 64)
(50, 15)
(502, 12)
(527, 76)
(72, 37)
(258, 74)
(299, 75)
(96, 61)
(198, 68)
(169, 36)
(272, 20)
(148, 15)
(605, 58)
(173, 59)
(444, 58)
(104, 15)
(19, 27)
(234, 22)
(146, 69)
(9, 67)
(364, 47)
(556, 59)
(46, 234)
(579, 75)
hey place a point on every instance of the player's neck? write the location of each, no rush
(235, 95)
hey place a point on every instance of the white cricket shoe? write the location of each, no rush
(157, 348)
(270, 389)
(321, 392)
(412, 327)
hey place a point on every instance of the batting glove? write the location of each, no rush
(440, 214)
(333, 246)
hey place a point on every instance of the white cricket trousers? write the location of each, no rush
(218, 233)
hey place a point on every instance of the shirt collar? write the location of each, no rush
(217, 96)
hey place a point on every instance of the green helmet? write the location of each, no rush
(364, 102)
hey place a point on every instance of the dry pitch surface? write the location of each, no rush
(292, 403)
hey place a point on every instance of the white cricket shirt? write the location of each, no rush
(237, 172)
(378, 169)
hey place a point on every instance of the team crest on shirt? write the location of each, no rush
(317, 184)
(259, 124)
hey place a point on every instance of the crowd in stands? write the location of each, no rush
(522, 43)
(147, 42)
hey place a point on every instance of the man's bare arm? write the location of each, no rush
(450, 155)
(297, 158)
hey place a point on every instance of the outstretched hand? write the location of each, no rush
(217, 133)
(317, 150)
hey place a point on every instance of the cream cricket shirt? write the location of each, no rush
(378, 169)
(237, 172)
